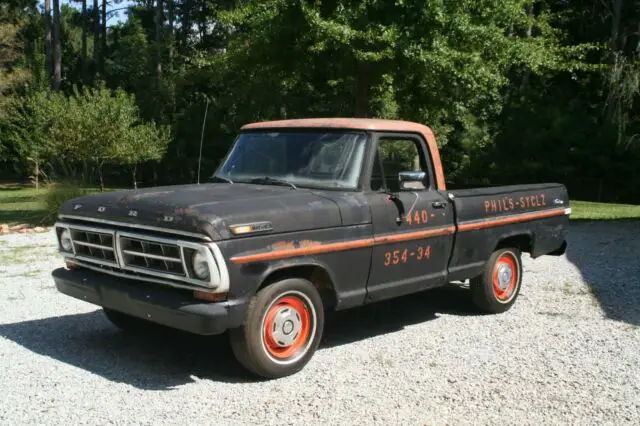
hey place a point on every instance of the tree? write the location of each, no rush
(48, 52)
(159, 20)
(57, 49)
(96, 37)
(436, 64)
(145, 143)
(103, 47)
(12, 73)
(29, 129)
(85, 20)
(95, 126)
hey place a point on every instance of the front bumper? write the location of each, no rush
(155, 303)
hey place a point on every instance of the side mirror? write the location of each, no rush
(411, 180)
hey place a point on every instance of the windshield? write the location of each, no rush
(312, 159)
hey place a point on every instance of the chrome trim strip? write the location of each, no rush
(152, 256)
(96, 246)
(143, 237)
(168, 275)
(63, 226)
(515, 216)
(223, 285)
(136, 226)
(93, 260)
(137, 277)
(184, 263)
(85, 228)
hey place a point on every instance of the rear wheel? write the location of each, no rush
(498, 287)
(282, 329)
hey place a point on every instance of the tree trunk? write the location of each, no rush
(171, 38)
(103, 49)
(84, 41)
(202, 23)
(362, 90)
(57, 50)
(616, 10)
(185, 26)
(101, 177)
(36, 172)
(48, 57)
(528, 34)
(133, 172)
(96, 36)
(159, 21)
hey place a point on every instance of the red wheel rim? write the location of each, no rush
(505, 277)
(287, 327)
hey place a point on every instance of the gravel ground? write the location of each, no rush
(567, 353)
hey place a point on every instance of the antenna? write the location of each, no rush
(204, 121)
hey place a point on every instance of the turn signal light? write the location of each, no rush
(210, 297)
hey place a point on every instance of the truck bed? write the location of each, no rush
(532, 217)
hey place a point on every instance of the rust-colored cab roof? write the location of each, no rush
(363, 124)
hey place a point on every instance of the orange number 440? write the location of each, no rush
(418, 217)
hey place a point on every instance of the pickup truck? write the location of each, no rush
(302, 217)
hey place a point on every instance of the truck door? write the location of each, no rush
(413, 223)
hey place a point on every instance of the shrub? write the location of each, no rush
(56, 195)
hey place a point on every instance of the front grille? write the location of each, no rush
(152, 254)
(138, 255)
(95, 245)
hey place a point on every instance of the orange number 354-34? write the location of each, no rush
(403, 255)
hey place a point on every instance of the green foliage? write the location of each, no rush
(56, 195)
(12, 71)
(94, 126)
(515, 90)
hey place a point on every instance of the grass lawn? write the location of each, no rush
(23, 204)
(583, 210)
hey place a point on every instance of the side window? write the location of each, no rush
(394, 156)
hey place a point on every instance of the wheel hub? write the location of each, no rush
(286, 326)
(504, 276)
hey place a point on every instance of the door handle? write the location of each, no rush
(438, 204)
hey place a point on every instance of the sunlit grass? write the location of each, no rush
(587, 210)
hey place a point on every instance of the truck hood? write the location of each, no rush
(209, 209)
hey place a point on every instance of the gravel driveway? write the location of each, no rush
(568, 352)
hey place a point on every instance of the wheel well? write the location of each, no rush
(317, 275)
(522, 242)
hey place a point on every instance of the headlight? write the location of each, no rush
(65, 240)
(200, 266)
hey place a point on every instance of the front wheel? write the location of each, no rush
(282, 329)
(496, 290)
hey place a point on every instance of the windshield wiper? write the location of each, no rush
(217, 178)
(266, 180)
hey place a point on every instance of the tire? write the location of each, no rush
(497, 289)
(126, 322)
(282, 329)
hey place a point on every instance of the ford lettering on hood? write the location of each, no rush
(210, 209)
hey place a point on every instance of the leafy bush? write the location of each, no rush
(56, 195)
(90, 128)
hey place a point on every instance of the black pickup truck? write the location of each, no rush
(302, 217)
